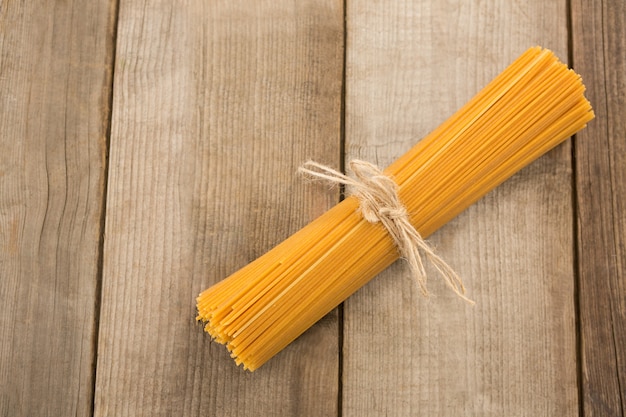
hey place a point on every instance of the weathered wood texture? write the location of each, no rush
(55, 84)
(599, 54)
(215, 105)
(410, 65)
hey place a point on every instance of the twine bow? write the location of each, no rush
(379, 202)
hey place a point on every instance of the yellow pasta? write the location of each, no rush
(532, 106)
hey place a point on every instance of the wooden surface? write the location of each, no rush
(149, 150)
(186, 143)
(599, 53)
(513, 352)
(55, 86)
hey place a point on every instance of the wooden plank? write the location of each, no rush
(410, 65)
(55, 79)
(599, 54)
(215, 106)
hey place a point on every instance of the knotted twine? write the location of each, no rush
(379, 202)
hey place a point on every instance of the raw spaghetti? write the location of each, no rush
(532, 106)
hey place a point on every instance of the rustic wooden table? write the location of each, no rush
(148, 150)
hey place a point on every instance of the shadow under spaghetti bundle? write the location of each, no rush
(533, 105)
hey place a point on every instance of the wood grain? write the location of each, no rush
(55, 84)
(215, 106)
(409, 66)
(599, 50)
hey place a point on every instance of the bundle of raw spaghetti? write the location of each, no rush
(534, 105)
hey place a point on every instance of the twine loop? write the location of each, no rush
(379, 202)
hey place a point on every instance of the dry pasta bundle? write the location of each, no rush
(532, 106)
